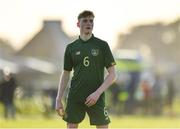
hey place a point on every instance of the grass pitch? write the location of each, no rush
(116, 122)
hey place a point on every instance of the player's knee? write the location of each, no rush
(72, 125)
(102, 126)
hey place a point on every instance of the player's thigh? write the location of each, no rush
(98, 114)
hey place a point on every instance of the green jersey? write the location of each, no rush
(88, 60)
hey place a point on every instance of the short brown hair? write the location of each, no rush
(85, 13)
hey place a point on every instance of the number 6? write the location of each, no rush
(86, 61)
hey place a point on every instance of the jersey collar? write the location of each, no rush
(87, 40)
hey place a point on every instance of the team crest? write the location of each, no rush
(94, 52)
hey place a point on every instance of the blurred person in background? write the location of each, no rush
(87, 56)
(131, 87)
(170, 96)
(8, 86)
(157, 97)
(147, 95)
(1, 75)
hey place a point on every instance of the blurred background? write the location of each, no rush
(143, 35)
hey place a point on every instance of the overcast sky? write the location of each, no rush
(21, 19)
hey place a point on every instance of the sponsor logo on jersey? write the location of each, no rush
(94, 52)
(78, 53)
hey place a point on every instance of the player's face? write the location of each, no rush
(86, 25)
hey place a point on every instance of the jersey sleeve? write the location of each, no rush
(109, 59)
(68, 64)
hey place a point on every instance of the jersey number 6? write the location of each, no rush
(86, 61)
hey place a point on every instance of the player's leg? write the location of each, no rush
(72, 125)
(74, 113)
(98, 114)
(102, 126)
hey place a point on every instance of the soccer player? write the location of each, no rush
(87, 56)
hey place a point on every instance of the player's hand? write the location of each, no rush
(59, 108)
(92, 98)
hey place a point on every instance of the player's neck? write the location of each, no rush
(85, 37)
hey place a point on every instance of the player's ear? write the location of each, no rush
(78, 24)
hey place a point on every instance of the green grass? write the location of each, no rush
(145, 122)
(30, 117)
(116, 122)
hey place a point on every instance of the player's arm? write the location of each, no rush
(62, 86)
(110, 78)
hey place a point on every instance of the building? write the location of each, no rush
(42, 57)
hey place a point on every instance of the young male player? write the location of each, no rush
(87, 56)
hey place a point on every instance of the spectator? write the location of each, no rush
(147, 92)
(8, 86)
(170, 96)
